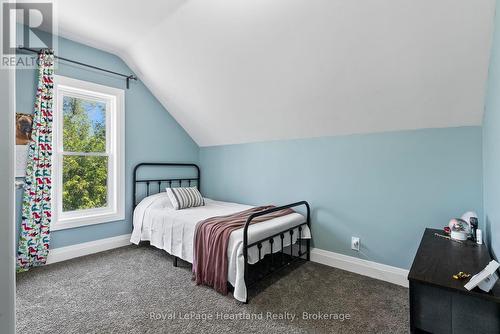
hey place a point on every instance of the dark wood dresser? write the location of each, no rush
(440, 304)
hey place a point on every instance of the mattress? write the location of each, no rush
(156, 221)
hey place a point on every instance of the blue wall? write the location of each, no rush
(385, 188)
(491, 147)
(151, 133)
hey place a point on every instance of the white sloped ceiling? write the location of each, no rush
(236, 71)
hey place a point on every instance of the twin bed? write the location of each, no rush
(253, 251)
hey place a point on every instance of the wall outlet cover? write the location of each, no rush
(355, 243)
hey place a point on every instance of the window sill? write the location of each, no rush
(63, 224)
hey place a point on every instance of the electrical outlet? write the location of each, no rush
(355, 243)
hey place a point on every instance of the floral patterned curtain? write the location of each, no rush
(34, 236)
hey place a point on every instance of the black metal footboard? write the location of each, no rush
(283, 260)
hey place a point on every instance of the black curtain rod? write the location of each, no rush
(127, 77)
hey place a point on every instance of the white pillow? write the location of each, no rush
(185, 197)
(165, 202)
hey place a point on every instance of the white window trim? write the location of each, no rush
(115, 126)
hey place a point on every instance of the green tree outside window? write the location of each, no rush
(85, 162)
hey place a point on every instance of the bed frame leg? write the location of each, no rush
(308, 256)
(246, 299)
(175, 261)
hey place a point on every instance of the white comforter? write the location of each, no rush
(156, 221)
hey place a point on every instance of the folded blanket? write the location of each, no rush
(210, 244)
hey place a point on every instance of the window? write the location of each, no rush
(88, 154)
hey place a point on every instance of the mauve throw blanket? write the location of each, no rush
(211, 240)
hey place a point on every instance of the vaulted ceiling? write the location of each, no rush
(235, 71)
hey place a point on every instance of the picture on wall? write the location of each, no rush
(24, 122)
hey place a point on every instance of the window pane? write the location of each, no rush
(84, 182)
(84, 125)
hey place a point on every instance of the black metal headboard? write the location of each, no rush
(157, 183)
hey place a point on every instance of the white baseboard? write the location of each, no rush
(359, 266)
(86, 248)
(372, 269)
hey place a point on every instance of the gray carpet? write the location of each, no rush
(136, 290)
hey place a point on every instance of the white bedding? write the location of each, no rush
(156, 221)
